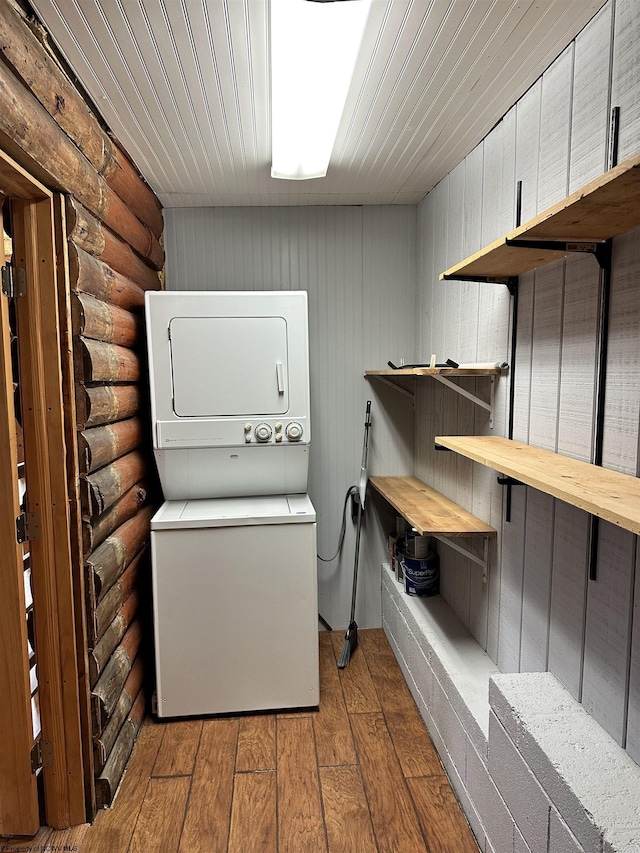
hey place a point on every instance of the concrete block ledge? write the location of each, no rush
(461, 666)
(591, 781)
(533, 771)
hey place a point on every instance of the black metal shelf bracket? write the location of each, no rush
(509, 481)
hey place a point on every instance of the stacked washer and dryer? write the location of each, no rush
(234, 545)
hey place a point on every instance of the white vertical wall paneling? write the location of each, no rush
(477, 616)
(513, 532)
(463, 496)
(511, 580)
(444, 406)
(575, 434)
(488, 504)
(590, 110)
(620, 449)
(453, 289)
(626, 75)
(430, 422)
(633, 715)
(507, 206)
(568, 596)
(321, 250)
(425, 277)
(336, 280)
(439, 264)
(579, 356)
(470, 322)
(555, 130)
(388, 321)
(423, 449)
(527, 143)
(545, 360)
(471, 218)
(484, 598)
(498, 216)
(608, 631)
(524, 357)
(546, 336)
(542, 610)
(492, 185)
(536, 584)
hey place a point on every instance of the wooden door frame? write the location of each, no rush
(46, 459)
(18, 791)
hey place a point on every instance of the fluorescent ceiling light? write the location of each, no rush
(314, 46)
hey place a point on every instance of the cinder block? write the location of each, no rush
(592, 782)
(415, 689)
(622, 841)
(450, 727)
(537, 692)
(519, 788)
(521, 846)
(561, 839)
(492, 809)
(457, 660)
(468, 808)
(442, 749)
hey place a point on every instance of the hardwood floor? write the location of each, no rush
(357, 776)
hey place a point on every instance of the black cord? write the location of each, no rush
(352, 490)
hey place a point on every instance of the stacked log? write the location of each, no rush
(108, 281)
(113, 255)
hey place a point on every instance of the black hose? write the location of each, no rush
(352, 490)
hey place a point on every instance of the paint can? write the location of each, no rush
(421, 574)
(402, 525)
(416, 545)
(391, 544)
(399, 556)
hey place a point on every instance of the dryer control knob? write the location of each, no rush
(247, 427)
(278, 427)
(263, 432)
(294, 431)
(279, 438)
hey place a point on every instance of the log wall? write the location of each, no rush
(112, 254)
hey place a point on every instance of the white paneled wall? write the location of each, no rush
(539, 610)
(358, 265)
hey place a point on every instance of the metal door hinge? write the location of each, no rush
(27, 527)
(14, 281)
(41, 755)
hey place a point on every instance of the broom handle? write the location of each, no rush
(363, 473)
(355, 566)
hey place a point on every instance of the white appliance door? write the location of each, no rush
(229, 366)
(235, 615)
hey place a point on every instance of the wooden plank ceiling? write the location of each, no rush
(184, 85)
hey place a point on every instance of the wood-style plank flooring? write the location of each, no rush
(357, 776)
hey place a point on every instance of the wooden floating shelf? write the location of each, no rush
(442, 375)
(607, 494)
(604, 208)
(436, 371)
(431, 513)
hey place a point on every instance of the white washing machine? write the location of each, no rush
(234, 547)
(235, 605)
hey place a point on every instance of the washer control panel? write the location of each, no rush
(271, 431)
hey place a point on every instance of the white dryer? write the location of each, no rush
(229, 374)
(234, 547)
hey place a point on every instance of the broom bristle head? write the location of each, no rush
(349, 646)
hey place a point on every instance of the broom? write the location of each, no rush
(351, 636)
